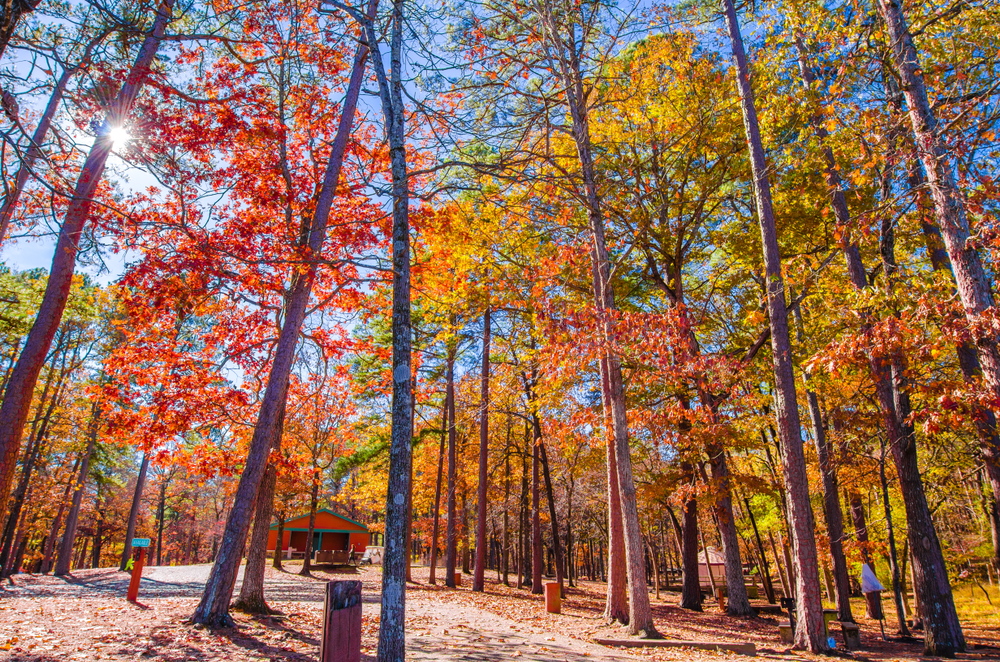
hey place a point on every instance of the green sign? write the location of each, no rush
(140, 542)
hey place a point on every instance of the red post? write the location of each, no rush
(133, 585)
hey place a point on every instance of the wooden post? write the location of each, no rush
(553, 602)
(133, 585)
(341, 640)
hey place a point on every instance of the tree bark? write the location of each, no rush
(11, 13)
(437, 489)
(69, 535)
(831, 495)
(691, 582)
(279, 542)
(536, 523)
(50, 541)
(616, 603)
(313, 506)
(251, 598)
(451, 532)
(810, 631)
(737, 601)
(133, 515)
(20, 386)
(213, 610)
(479, 579)
(392, 632)
(557, 546)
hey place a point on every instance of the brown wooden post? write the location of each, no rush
(341, 640)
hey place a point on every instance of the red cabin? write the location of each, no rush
(332, 533)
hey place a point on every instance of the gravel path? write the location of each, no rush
(436, 629)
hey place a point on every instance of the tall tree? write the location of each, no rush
(213, 609)
(810, 630)
(20, 385)
(478, 581)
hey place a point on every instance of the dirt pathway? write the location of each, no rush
(84, 616)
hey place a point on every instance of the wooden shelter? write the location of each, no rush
(332, 533)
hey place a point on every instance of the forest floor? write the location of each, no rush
(85, 617)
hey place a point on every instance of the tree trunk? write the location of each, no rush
(810, 631)
(983, 419)
(860, 524)
(392, 638)
(737, 601)
(50, 541)
(133, 515)
(523, 571)
(279, 542)
(34, 151)
(213, 610)
(765, 570)
(942, 630)
(505, 559)
(13, 12)
(35, 440)
(831, 492)
(437, 489)
(21, 385)
(556, 543)
(616, 604)
(160, 513)
(251, 598)
(479, 580)
(65, 556)
(451, 531)
(536, 523)
(313, 506)
(690, 581)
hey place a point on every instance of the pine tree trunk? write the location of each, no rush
(392, 637)
(942, 629)
(34, 151)
(21, 385)
(279, 542)
(536, 522)
(160, 513)
(505, 559)
(522, 528)
(32, 452)
(616, 603)
(133, 515)
(251, 598)
(313, 506)
(737, 601)
(691, 582)
(213, 610)
(831, 496)
(479, 579)
(65, 556)
(435, 535)
(983, 419)
(810, 631)
(860, 525)
(557, 547)
(50, 541)
(451, 532)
